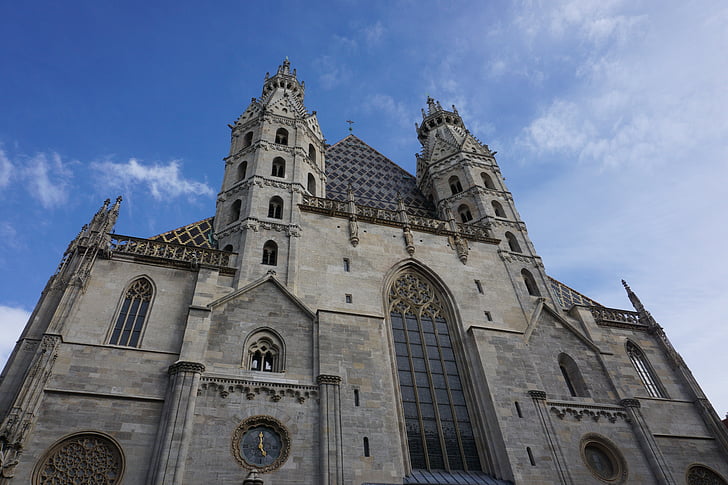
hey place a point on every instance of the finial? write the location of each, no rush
(454, 109)
(351, 130)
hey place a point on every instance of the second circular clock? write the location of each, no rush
(261, 443)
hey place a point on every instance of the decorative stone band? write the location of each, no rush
(630, 403)
(581, 411)
(393, 218)
(159, 250)
(613, 317)
(539, 395)
(328, 379)
(224, 387)
(185, 366)
(510, 257)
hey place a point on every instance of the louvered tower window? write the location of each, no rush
(132, 314)
(644, 370)
(439, 433)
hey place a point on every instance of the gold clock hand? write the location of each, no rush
(260, 444)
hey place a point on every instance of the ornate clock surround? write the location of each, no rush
(276, 427)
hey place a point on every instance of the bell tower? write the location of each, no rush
(277, 153)
(461, 176)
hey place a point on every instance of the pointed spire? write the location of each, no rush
(636, 303)
(431, 107)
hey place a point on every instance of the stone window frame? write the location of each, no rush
(646, 373)
(116, 451)
(270, 253)
(121, 319)
(281, 137)
(455, 186)
(275, 345)
(606, 446)
(711, 477)
(572, 375)
(457, 410)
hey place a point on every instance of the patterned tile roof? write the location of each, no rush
(569, 296)
(374, 178)
(195, 234)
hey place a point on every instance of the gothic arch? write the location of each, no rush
(699, 474)
(264, 350)
(572, 375)
(644, 370)
(132, 312)
(436, 426)
(81, 454)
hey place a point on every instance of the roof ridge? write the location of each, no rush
(351, 135)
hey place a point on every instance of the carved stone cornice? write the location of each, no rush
(580, 411)
(186, 366)
(329, 379)
(630, 403)
(251, 389)
(511, 257)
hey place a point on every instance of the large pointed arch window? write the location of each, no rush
(644, 369)
(439, 433)
(133, 313)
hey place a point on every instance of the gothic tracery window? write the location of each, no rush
(644, 370)
(270, 253)
(282, 136)
(86, 458)
(133, 313)
(701, 475)
(279, 167)
(455, 186)
(264, 352)
(439, 433)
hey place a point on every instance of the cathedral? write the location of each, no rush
(339, 321)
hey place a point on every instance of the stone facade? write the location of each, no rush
(378, 328)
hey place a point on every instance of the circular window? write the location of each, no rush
(603, 459)
(83, 458)
(702, 475)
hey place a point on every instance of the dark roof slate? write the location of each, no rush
(375, 180)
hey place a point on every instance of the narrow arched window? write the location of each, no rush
(311, 185)
(439, 433)
(279, 167)
(282, 136)
(465, 214)
(498, 209)
(455, 185)
(264, 352)
(572, 376)
(311, 152)
(133, 313)
(530, 283)
(487, 181)
(248, 140)
(275, 208)
(242, 168)
(270, 253)
(644, 370)
(513, 243)
(235, 211)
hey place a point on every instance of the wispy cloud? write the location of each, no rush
(163, 181)
(13, 320)
(6, 169)
(373, 33)
(48, 178)
(332, 72)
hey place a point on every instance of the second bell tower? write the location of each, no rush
(277, 153)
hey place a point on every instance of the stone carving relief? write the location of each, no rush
(83, 458)
(701, 475)
(251, 391)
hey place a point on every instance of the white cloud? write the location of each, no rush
(12, 322)
(6, 169)
(162, 181)
(48, 179)
(332, 72)
(373, 33)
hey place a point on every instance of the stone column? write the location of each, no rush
(539, 401)
(175, 431)
(332, 470)
(648, 443)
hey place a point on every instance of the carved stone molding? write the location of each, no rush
(630, 403)
(328, 379)
(539, 395)
(253, 390)
(511, 257)
(581, 411)
(185, 366)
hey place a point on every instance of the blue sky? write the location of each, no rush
(609, 118)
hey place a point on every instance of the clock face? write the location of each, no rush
(260, 446)
(261, 443)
